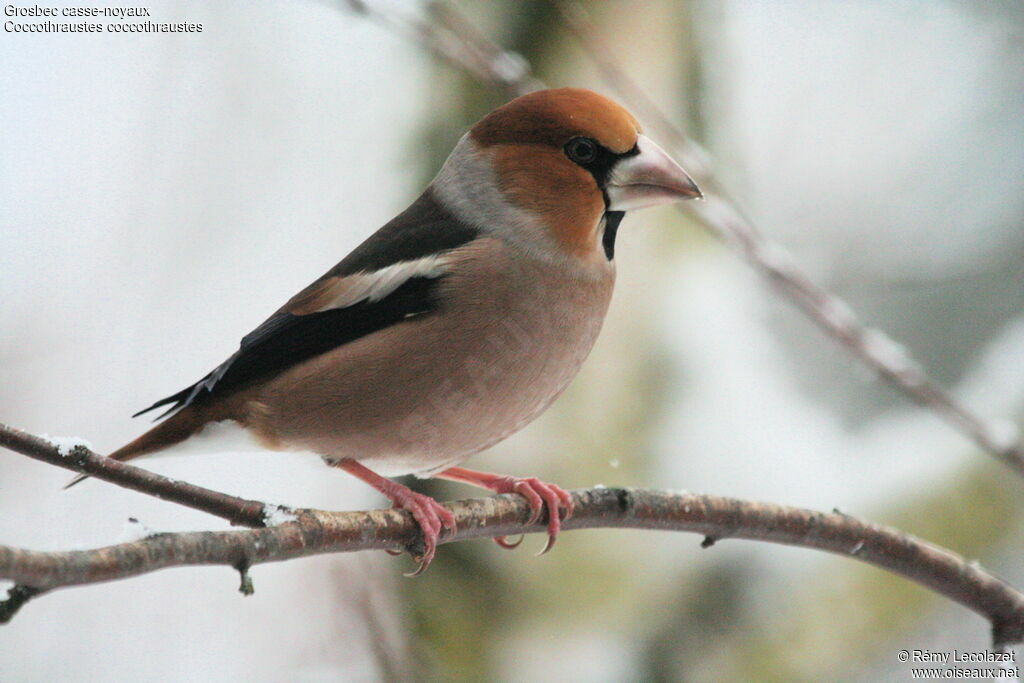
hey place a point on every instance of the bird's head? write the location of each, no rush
(559, 167)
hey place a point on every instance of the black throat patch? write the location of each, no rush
(611, 229)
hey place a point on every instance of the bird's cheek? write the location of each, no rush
(569, 210)
(562, 196)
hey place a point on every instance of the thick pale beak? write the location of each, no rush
(648, 179)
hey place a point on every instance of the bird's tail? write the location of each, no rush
(173, 430)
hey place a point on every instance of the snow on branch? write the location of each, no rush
(279, 534)
(300, 533)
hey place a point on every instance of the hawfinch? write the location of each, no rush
(455, 324)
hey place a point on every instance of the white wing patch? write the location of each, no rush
(377, 285)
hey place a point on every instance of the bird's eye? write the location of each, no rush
(581, 150)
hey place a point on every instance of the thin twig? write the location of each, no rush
(872, 346)
(238, 511)
(497, 68)
(457, 42)
(317, 532)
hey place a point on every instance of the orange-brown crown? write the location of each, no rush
(525, 141)
(553, 117)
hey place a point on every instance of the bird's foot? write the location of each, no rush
(538, 494)
(430, 515)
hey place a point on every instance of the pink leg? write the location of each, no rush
(538, 494)
(428, 513)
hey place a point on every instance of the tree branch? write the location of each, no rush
(238, 511)
(316, 532)
(449, 35)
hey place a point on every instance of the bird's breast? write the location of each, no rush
(507, 338)
(526, 335)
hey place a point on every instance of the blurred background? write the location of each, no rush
(151, 184)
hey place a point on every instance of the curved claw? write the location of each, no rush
(424, 563)
(548, 545)
(541, 496)
(432, 517)
(501, 541)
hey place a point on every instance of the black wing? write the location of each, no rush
(286, 338)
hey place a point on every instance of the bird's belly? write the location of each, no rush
(429, 392)
(482, 400)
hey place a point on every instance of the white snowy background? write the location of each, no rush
(162, 194)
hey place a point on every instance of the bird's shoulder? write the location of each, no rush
(391, 277)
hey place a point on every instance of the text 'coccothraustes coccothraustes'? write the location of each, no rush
(455, 324)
